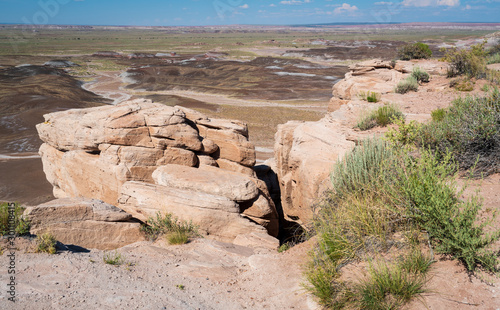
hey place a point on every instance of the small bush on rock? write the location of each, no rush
(420, 75)
(113, 258)
(383, 116)
(470, 129)
(176, 231)
(414, 51)
(462, 84)
(406, 85)
(46, 243)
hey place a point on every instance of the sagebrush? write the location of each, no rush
(406, 85)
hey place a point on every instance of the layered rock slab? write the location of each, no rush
(86, 223)
(215, 216)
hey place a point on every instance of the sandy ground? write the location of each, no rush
(203, 274)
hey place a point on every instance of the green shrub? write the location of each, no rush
(469, 62)
(174, 229)
(383, 116)
(414, 51)
(495, 49)
(438, 114)
(373, 97)
(113, 258)
(404, 134)
(22, 226)
(420, 75)
(431, 198)
(470, 130)
(370, 96)
(406, 85)
(493, 59)
(46, 243)
(462, 84)
(284, 247)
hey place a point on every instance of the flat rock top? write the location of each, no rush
(76, 209)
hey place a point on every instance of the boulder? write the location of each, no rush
(358, 81)
(85, 223)
(305, 153)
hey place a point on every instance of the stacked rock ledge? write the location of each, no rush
(146, 158)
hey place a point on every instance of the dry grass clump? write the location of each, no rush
(383, 116)
(46, 243)
(175, 230)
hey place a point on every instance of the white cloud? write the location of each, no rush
(244, 6)
(295, 2)
(384, 3)
(272, 5)
(449, 2)
(345, 8)
(424, 3)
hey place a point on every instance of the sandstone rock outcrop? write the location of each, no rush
(86, 223)
(369, 76)
(146, 158)
(305, 153)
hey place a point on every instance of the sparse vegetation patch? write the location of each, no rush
(383, 190)
(113, 258)
(46, 243)
(407, 85)
(175, 230)
(22, 225)
(383, 116)
(414, 51)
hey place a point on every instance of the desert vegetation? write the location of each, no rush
(46, 243)
(20, 223)
(414, 51)
(113, 258)
(382, 116)
(401, 192)
(174, 230)
(407, 85)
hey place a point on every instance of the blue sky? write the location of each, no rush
(219, 12)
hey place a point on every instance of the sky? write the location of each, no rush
(257, 12)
